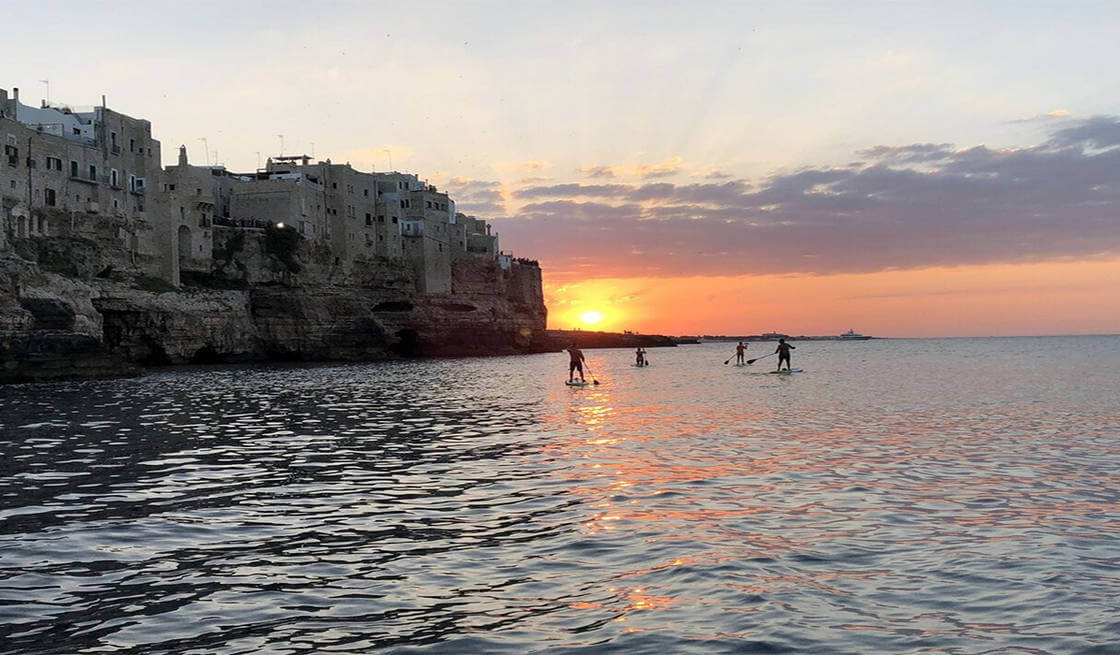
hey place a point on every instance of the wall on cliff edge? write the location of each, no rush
(68, 303)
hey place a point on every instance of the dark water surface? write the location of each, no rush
(957, 496)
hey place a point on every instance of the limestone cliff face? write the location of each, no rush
(65, 314)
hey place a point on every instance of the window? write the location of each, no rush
(131, 182)
(394, 220)
(198, 192)
(92, 172)
(113, 138)
(365, 192)
(77, 132)
(73, 169)
(54, 164)
(132, 145)
(49, 197)
(113, 182)
(381, 218)
(369, 219)
(170, 187)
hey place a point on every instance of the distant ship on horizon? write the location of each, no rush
(852, 335)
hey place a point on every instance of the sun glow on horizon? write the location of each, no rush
(591, 317)
(1063, 297)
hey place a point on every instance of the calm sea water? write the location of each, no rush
(906, 496)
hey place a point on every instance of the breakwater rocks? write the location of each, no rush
(560, 339)
(61, 321)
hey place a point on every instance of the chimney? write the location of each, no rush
(182, 155)
(15, 93)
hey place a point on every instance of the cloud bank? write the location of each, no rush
(898, 207)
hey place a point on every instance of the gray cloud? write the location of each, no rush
(597, 171)
(907, 206)
(481, 197)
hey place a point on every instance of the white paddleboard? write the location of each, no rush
(576, 383)
(788, 371)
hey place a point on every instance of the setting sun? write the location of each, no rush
(590, 318)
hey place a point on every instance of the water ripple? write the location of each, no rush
(480, 506)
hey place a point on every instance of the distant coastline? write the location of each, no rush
(775, 337)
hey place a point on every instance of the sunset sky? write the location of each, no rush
(903, 169)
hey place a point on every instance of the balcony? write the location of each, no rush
(84, 180)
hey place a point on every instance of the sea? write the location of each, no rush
(896, 496)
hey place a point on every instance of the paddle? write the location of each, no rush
(588, 369)
(751, 361)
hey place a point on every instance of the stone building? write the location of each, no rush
(96, 174)
(86, 173)
(477, 238)
(287, 195)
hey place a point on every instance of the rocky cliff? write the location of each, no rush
(65, 312)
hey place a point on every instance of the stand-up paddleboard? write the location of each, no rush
(640, 365)
(788, 371)
(576, 383)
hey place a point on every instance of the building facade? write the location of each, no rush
(97, 174)
(93, 174)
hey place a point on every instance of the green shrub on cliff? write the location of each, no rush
(233, 245)
(283, 243)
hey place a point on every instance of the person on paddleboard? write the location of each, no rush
(783, 353)
(639, 357)
(575, 363)
(740, 353)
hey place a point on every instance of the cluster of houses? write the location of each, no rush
(97, 174)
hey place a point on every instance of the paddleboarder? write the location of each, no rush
(639, 357)
(740, 353)
(783, 353)
(575, 363)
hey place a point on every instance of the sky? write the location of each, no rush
(901, 169)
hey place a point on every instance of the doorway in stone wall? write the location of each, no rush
(185, 250)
